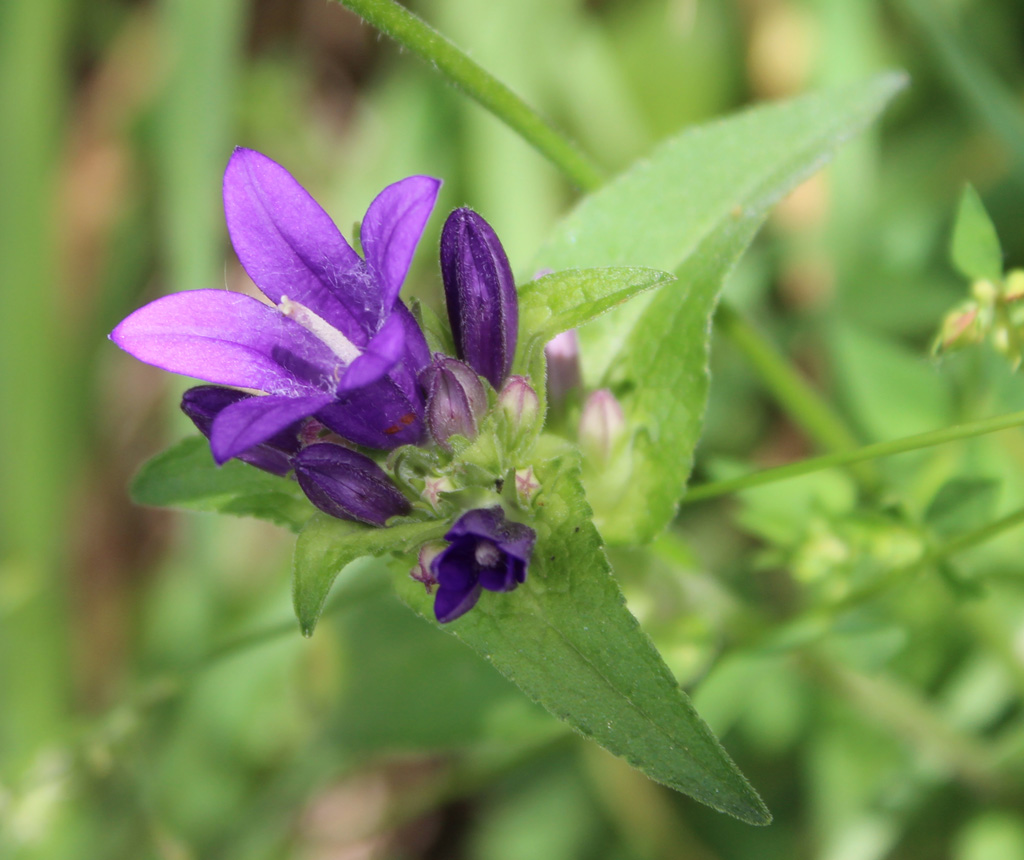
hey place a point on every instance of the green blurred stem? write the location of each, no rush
(423, 40)
(859, 455)
(803, 403)
(974, 537)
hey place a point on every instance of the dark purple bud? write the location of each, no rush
(348, 485)
(563, 359)
(455, 399)
(480, 292)
(204, 403)
(486, 551)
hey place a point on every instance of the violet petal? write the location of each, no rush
(383, 415)
(229, 339)
(290, 246)
(417, 353)
(348, 485)
(513, 538)
(250, 422)
(382, 353)
(458, 587)
(205, 402)
(392, 228)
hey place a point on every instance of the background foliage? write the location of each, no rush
(155, 697)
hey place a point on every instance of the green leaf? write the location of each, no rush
(975, 248)
(697, 200)
(662, 378)
(464, 704)
(962, 504)
(186, 477)
(566, 638)
(570, 298)
(326, 545)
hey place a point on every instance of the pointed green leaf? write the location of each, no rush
(975, 249)
(698, 201)
(186, 477)
(326, 545)
(567, 639)
(663, 372)
(570, 298)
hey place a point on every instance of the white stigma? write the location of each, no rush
(340, 345)
(486, 554)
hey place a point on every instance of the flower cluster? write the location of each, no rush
(341, 366)
(994, 312)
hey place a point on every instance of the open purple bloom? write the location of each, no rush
(483, 307)
(486, 551)
(338, 345)
(348, 485)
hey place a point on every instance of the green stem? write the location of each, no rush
(975, 537)
(954, 546)
(848, 458)
(802, 402)
(420, 38)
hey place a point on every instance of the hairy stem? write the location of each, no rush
(420, 38)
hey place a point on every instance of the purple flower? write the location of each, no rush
(483, 307)
(339, 345)
(348, 485)
(486, 551)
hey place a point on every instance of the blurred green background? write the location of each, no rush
(156, 699)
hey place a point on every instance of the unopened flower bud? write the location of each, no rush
(563, 359)
(519, 401)
(348, 485)
(1013, 286)
(602, 425)
(480, 293)
(205, 402)
(961, 327)
(455, 399)
(984, 292)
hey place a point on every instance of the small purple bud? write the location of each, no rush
(563, 359)
(480, 292)
(601, 425)
(204, 403)
(486, 551)
(348, 485)
(521, 404)
(456, 399)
